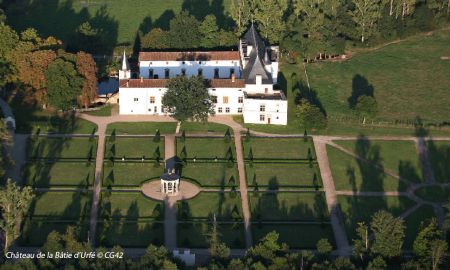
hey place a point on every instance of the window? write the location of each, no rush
(136, 99)
(239, 110)
(183, 62)
(225, 100)
(183, 71)
(166, 73)
(219, 109)
(149, 109)
(266, 90)
(240, 99)
(214, 99)
(152, 99)
(216, 73)
(200, 72)
(262, 118)
(262, 108)
(227, 109)
(155, 109)
(150, 73)
(231, 72)
(199, 62)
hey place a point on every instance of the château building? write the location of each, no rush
(239, 82)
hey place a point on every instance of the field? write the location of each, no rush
(195, 235)
(61, 17)
(278, 148)
(207, 204)
(439, 156)
(144, 128)
(134, 147)
(404, 86)
(62, 148)
(204, 148)
(130, 173)
(208, 127)
(44, 175)
(211, 174)
(350, 174)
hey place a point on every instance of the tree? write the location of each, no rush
(378, 263)
(14, 201)
(388, 234)
(227, 136)
(155, 39)
(310, 115)
(87, 68)
(157, 137)
(184, 31)
(219, 251)
(324, 247)
(366, 106)
(63, 83)
(187, 98)
(361, 243)
(427, 236)
(365, 14)
(269, 15)
(210, 32)
(267, 249)
(241, 12)
(439, 249)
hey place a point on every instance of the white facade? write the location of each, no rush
(240, 82)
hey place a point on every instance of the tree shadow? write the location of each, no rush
(370, 166)
(360, 87)
(304, 92)
(439, 157)
(201, 8)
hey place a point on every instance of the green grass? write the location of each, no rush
(350, 174)
(434, 193)
(305, 206)
(61, 18)
(141, 128)
(130, 206)
(279, 175)
(201, 148)
(139, 234)
(211, 174)
(206, 204)
(59, 174)
(35, 232)
(361, 209)
(208, 127)
(61, 205)
(134, 147)
(195, 235)
(414, 222)
(302, 236)
(52, 147)
(130, 174)
(399, 157)
(104, 111)
(439, 156)
(404, 85)
(278, 148)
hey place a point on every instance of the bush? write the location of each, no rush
(311, 116)
(366, 106)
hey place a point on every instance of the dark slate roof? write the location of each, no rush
(255, 64)
(108, 86)
(170, 177)
(169, 171)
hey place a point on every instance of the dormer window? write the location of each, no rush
(200, 72)
(150, 73)
(183, 62)
(166, 73)
(199, 62)
(216, 73)
(183, 71)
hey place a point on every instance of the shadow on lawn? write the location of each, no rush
(360, 87)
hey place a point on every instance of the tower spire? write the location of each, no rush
(125, 64)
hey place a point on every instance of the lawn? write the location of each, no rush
(359, 209)
(302, 206)
(130, 233)
(278, 148)
(208, 127)
(35, 232)
(211, 174)
(61, 18)
(57, 147)
(204, 148)
(439, 156)
(130, 206)
(351, 174)
(134, 147)
(434, 193)
(44, 175)
(130, 173)
(404, 86)
(296, 236)
(399, 157)
(195, 235)
(61, 205)
(103, 111)
(141, 128)
(206, 204)
(414, 222)
(281, 175)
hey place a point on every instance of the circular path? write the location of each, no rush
(152, 190)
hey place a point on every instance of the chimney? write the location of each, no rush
(127, 83)
(142, 79)
(233, 77)
(258, 79)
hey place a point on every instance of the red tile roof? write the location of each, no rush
(189, 56)
(161, 83)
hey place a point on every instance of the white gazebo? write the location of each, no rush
(170, 180)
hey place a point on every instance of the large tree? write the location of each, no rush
(389, 233)
(426, 246)
(187, 98)
(14, 201)
(269, 15)
(155, 39)
(210, 32)
(184, 31)
(63, 83)
(87, 68)
(241, 11)
(365, 14)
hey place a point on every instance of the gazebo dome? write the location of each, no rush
(170, 180)
(170, 176)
